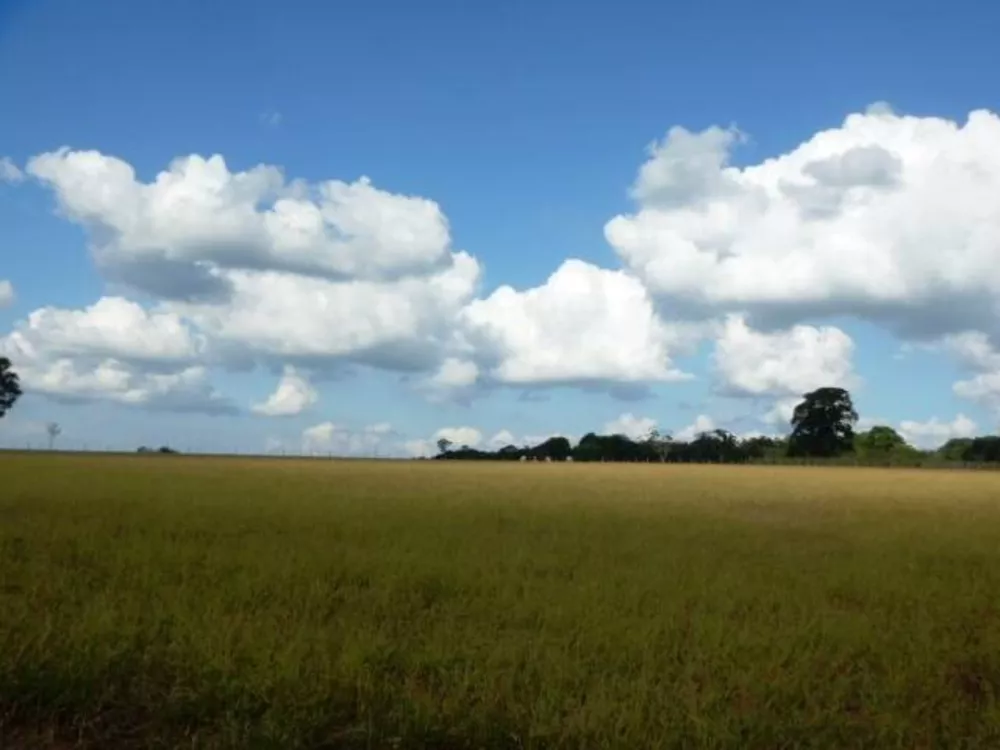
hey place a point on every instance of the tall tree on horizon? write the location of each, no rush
(10, 386)
(823, 424)
(54, 430)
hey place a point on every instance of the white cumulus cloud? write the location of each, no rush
(114, 350)
(686, 167)
(501, 439)
(885, 217)
(402, 324)
(780, 413)
(419, 448)
(260, 269)
(782, 363)
(455, 373)
(112, 327)
(474, 438)
(460, 436)
(271, 270)
(888, 217)
(630, 425)
(328, 438)
(320, 437)
(197, 215)
(185, 390)
(455, 379)
(702, 423)
(293, 395)
(973, 349)
(584, 325)
(984, 388)
(981, 359)
(934, 433)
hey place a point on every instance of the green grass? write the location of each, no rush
(167, 602)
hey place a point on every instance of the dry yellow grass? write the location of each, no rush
(193, 602)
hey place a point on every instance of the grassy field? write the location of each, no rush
(163, 602)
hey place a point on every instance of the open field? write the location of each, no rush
(208, 603)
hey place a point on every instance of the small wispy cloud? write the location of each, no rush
(271, 118)
(9, 171)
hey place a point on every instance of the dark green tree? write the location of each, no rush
(557, 448)
(823, 424)
(10, 386)
(954, 449)
(714, 446)
(509, 453)
(985, 448)
(878, 441)
(589, 448)
(658, 444)
(759, 446)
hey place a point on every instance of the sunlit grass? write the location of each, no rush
(186, 602)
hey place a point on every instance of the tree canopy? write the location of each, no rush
(716, 446)
(955, 449)
(10, 386)
(880, 440)
(823, 424)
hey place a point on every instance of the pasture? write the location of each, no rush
(169, 602)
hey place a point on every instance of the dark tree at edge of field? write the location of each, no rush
(10, 386)
(823, 424)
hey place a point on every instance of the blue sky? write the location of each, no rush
(527, 125)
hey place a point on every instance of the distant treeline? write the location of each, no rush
(165, 449)
(822, 429)
(717, 446)
(721, 446)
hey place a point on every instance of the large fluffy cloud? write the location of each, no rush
(187, 389)
(112, 327)
(887, 217)
(782, 363)
(114, 350)
(198, 215)
(269, 270)
(890, 217)
(933, 433)
(400, 324)
(702, 423)
(293, 395)
(584, 325)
